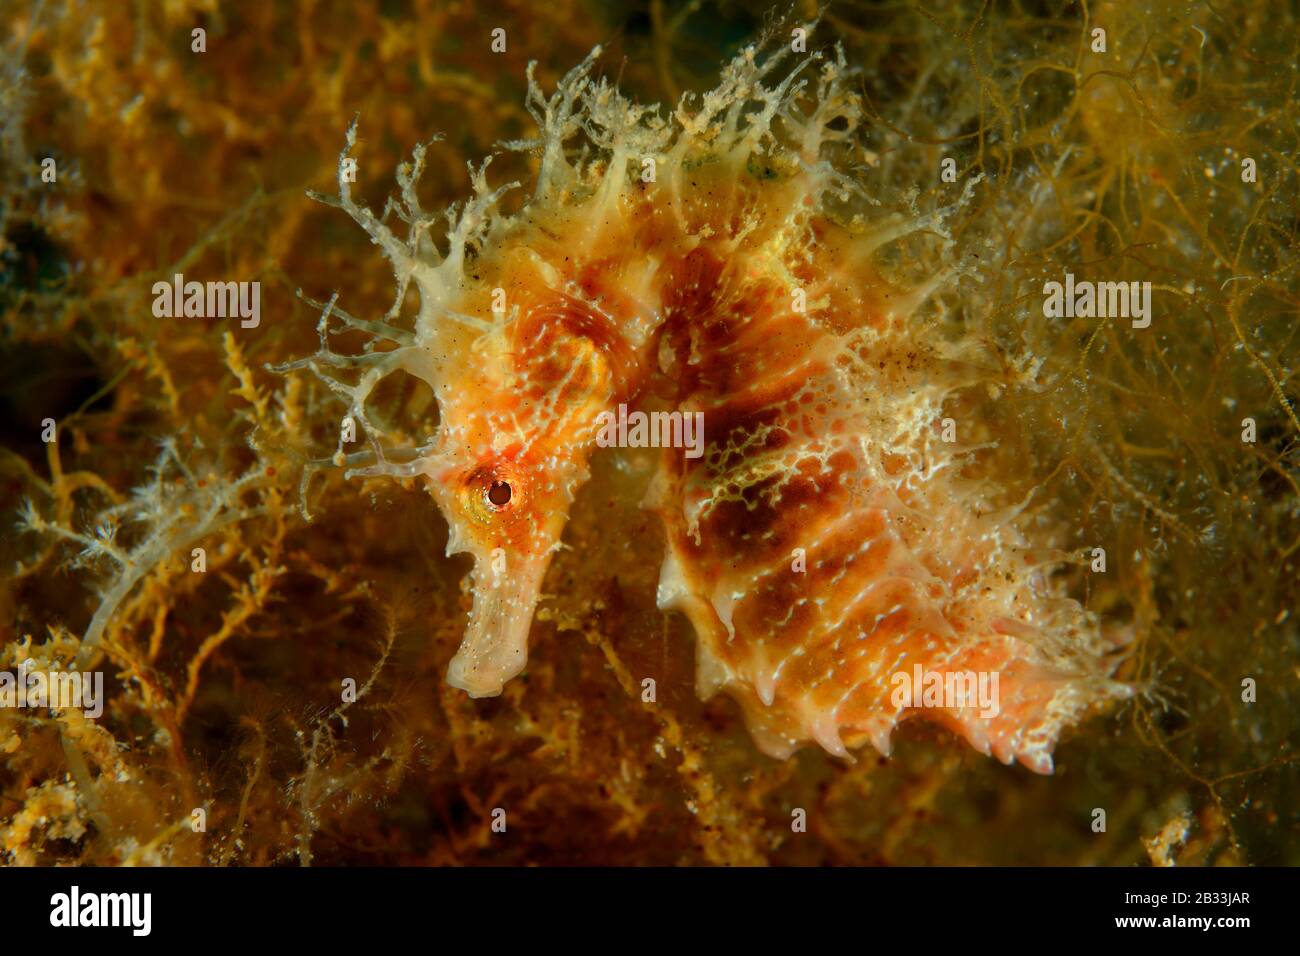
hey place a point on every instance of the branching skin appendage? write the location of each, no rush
(724, 255)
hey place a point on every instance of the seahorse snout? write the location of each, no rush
(495, 646)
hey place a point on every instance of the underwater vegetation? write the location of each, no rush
(989, 315)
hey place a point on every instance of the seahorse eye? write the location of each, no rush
(498, 494)
(490, 491)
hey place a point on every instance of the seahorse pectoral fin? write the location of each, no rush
(495, 646)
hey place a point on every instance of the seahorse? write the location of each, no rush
(720, 258)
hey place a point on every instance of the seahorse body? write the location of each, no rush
(826, 541)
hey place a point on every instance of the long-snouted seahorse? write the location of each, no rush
(714, 259)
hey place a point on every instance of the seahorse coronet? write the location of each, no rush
(726, 252)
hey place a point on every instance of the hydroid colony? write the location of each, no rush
(909, 464)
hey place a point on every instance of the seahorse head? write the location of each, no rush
(519, 409)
